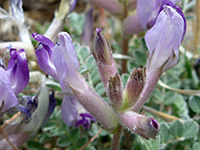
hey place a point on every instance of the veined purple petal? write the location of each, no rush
(18, 70)
(7, 96)
(16, 8)
(44, 54)
(164, 38)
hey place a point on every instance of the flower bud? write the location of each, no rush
(134, 87)
(144, 126)
(115, 91)
(104, 58)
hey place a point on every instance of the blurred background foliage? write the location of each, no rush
(181, 132)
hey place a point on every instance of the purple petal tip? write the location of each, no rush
(154, 123)
(98, 31)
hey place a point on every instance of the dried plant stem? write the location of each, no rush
(92, 139)
(116, 139)
(7, 122)
(124, 52)
(197, 28)
(125, 41)
(7, 139)
(161, 115)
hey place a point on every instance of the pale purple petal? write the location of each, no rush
(66, 62)
(88, 35)
(7, 96)
(144, 10)
(16, 9)
(44, 55)
(148, 11)
(69, 110)
(18, 70)
(72, 5)
(164, 38)
(69, 50)
(175, 1)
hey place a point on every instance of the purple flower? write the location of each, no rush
(44, 55)
(66, 65)
(14, 79)
(60, 61)
(164, 39)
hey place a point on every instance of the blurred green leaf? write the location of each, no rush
(84, 52)
(124, 78)
(74, 133)
(81, 141)
(90, 62)
(151, 144)
(191, 129)
(169, 98)
(196, 146)
(53, 85)
(33, 145)
(95, 76)
(177, 128)
(63, 141)
(140, 58)
(164, 132)
(194, 103)
(100, 89)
